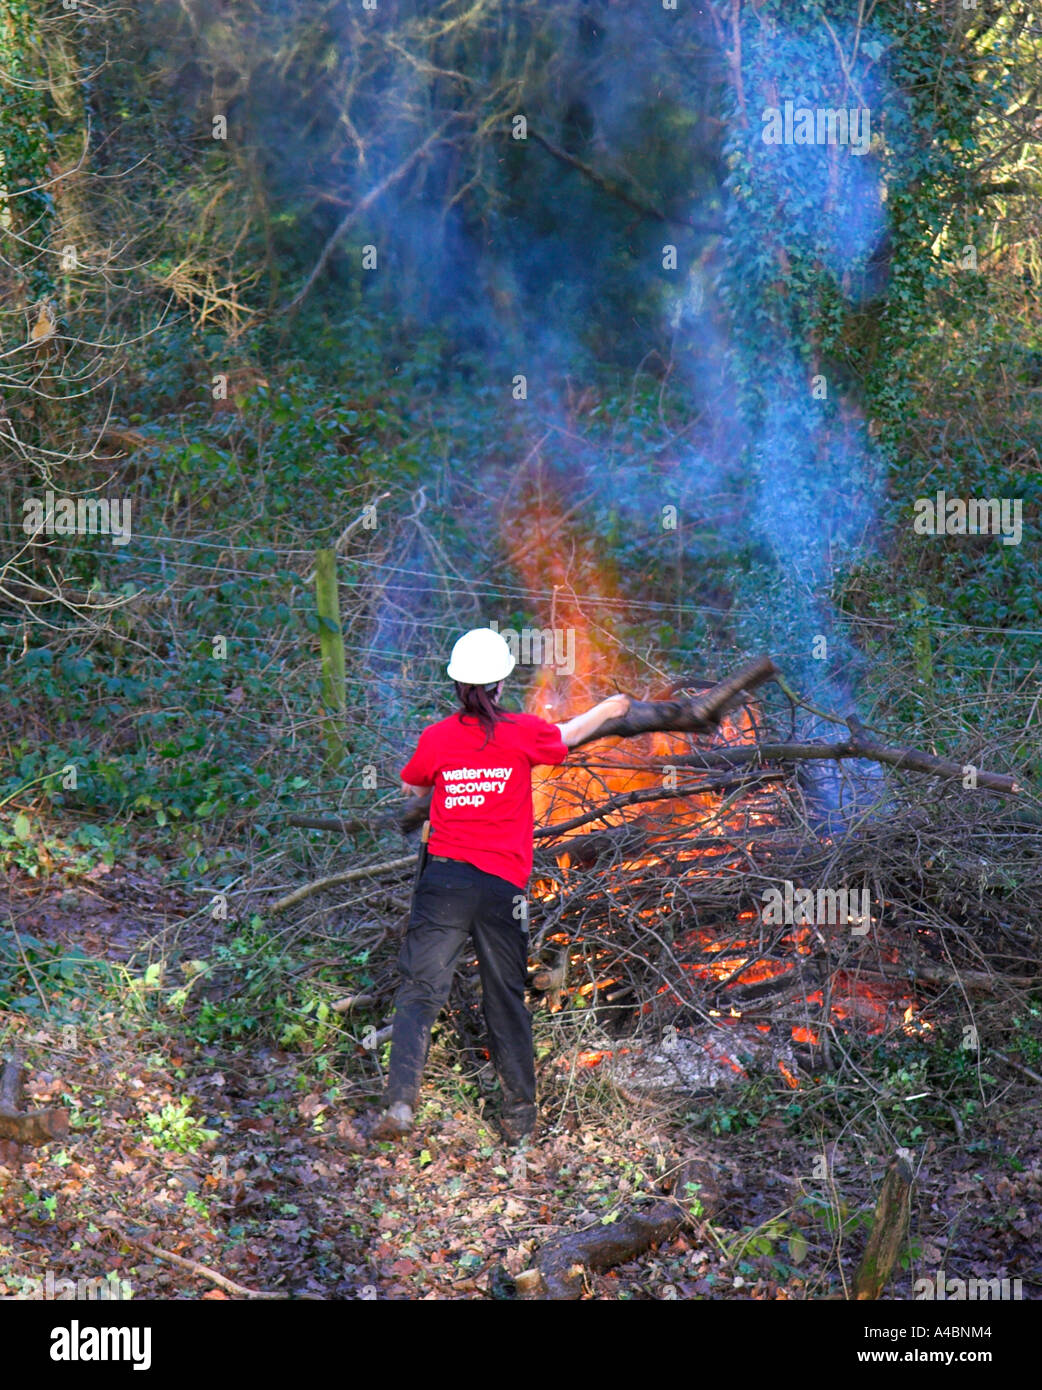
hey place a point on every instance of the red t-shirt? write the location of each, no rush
(481, 810)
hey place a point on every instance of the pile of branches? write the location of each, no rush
(653, 911)
(661, 919)
(654, 934)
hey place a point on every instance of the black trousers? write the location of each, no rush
(455, 901)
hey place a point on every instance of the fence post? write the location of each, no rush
(331, 642)
(889, 1229)
(921, 647)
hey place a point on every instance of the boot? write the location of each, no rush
(395, 1122)
(517, 1123)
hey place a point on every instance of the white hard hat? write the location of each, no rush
(480, 657)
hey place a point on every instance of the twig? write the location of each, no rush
(1019, 1066)
(192, 1266)
(363, 206)
(370, 871)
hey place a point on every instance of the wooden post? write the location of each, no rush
(921, 638)
(331, 641)
(889, 1228)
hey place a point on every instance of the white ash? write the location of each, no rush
(702, 1062)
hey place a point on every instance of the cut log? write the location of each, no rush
(563, 1263)
(889, 1228)
(31, 1127)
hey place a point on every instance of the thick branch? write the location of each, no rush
(616, 190)
(858, 746)
(916, 761)
(697, 716)
(700, 715)
(391, 866)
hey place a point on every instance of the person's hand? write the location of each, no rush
(584, 726)
(615, 706)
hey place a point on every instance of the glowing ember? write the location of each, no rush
(790, 1080)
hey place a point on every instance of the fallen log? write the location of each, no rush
(560, 1269)
(29, 1127)
(562, 1264)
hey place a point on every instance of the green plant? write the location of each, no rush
(41, 1208)
(175, 1128)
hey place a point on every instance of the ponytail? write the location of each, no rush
(480, 701)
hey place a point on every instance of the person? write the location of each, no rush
(479, 763)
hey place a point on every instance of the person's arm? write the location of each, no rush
(583, 725)
(417, 776)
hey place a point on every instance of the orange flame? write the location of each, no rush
(563, 793)
(790, 1080)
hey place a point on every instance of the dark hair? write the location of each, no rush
(480, 701)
